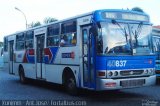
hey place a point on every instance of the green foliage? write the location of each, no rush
(49, 20)
(138, 9)
(34, 24)
(46, 21)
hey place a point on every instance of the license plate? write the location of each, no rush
(132, 83)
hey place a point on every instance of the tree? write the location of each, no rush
(46, 21)
(34, 24)
(137, 9)
(49, 20)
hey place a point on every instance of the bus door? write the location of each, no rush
(40, 66)
(11, 57)
(88, 58)
(156, 49)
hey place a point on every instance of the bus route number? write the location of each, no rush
(117, 63)
(121, 63)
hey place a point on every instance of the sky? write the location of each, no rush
(12, 20)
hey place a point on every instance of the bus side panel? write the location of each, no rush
(16, 68)
(61, 58)
(19, 55)
(6, 62)
(18, 61)
(30, 71)
(69, 55)
(28, 63)
(54, 73)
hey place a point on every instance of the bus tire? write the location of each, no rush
(22, 75)
(71, 85)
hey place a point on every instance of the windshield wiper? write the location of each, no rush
(122, 29)
(137, 32)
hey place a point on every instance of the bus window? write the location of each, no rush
(53, 41)
(2, 52)
(5, 44)
(29, 44)
(74, 39)
(20, 41)
(29, 40)
(156, 46)
(85, 41)
(19, 45)
(29, 35)
(20, 37)
(68, 34)
(53, 35)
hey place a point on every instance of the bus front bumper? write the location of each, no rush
(114, 84)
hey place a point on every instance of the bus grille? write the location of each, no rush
(132, 83)
(131, 72)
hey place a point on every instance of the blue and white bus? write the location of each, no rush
(156, 48)
(101, 50)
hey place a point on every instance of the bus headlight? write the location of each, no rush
(151, 71)
(110, 73)
(154, 71)
(115, 73)
(146, 71)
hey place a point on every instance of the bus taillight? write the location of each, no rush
(101, 74)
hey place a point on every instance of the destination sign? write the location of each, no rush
(125, 16)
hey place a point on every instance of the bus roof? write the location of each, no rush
(82, 15)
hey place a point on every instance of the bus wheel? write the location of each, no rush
(71, 86)
(22, 75)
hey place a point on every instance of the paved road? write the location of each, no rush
(12, 89)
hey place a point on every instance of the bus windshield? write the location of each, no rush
(140, 35)
(122, 38)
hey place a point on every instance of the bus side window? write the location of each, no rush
(68, 34)
(64, 40)
(2, 52)
(85, 41)
(74, 39)
(53, 35)
(29, 40)
(5, 44)
(29, 44)
(20, 41)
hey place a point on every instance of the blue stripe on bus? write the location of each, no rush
(31, 59)
(54, 51)
(124, 62)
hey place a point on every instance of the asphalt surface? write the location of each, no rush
(42, 93)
